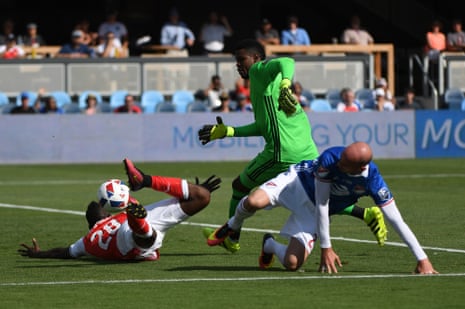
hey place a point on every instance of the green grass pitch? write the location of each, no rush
(189, 274)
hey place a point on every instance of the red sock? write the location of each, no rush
(172, 186)
(140, 226)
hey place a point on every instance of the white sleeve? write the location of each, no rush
(322, 191)
(393, 216)
(77, 249)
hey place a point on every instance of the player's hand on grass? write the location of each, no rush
(211, 132)
(329, 260)
(287, 101)
(211, 184)
(424, 267)
(30, 251)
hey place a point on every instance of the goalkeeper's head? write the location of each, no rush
(248, 52)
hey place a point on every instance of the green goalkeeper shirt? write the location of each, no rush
(288, 138)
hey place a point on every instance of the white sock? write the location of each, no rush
(272, 246)
(236, 221)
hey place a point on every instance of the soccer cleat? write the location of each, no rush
(135, 176)
(265, 260)
(228, 243)
(219, 235)
(136, 210)
(374, 218)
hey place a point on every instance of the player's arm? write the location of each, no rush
(219, 130)
(35, 252)
(393, 216)
(328, 258)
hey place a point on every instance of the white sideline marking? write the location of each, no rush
(316, 277)
(81, 213)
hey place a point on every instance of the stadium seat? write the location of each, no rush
(181, 98)
(71, 108)
(149, 99)
(197, 106)
(117, 98)
(165, 107)
(333, 96)
(6, 108)
(310, 96)
(104, 107)
(454, 98)
(62, 97)
(365, 97)
(320, 105)
(83, 97)
(4, 99)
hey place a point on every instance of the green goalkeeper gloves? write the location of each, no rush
(211, 132)
(287, 102)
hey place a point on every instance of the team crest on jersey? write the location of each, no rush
(383, 193)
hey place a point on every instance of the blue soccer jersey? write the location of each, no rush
(346, 189)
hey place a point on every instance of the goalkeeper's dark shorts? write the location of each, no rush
(261, 169)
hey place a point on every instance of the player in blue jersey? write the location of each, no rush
(313, 190)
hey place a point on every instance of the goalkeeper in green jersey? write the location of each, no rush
(284, 125)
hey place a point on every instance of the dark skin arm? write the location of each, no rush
(35, 252)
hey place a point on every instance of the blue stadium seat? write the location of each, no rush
(197, 106)
(165, 107)
(62, 97)
(333, 96)
(149, 99)
(182, 98)
(453, 98)
(320, 105)
(4, 99)
(365, 97)
(117, 98)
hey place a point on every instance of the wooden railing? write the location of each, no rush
(376, 49)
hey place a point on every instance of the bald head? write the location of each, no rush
(355, 157)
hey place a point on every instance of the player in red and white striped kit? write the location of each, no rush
(136, 233)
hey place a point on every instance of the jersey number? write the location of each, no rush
(104, 234)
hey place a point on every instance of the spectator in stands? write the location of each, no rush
(111, 47)
(8, 28)
(76, 48)
(112, 24)
(225, 103)
(11, 50)
(243, 104)
(24, 108)
(214, 90)
(355, 34)
(456, 38)
(91, 105)
(298, 91)
(32, 38)
(435, 41)
(348, 102)
(382, 83)
(90, 38)
(242, 86)
(129, 106)
(213, 33)
(266, 34)
(409, 101)
(381, 103)
(50, 106)
(176, 33)
(294, 35)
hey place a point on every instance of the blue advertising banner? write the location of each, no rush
(440, 134)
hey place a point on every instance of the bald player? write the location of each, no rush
(313, 190)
